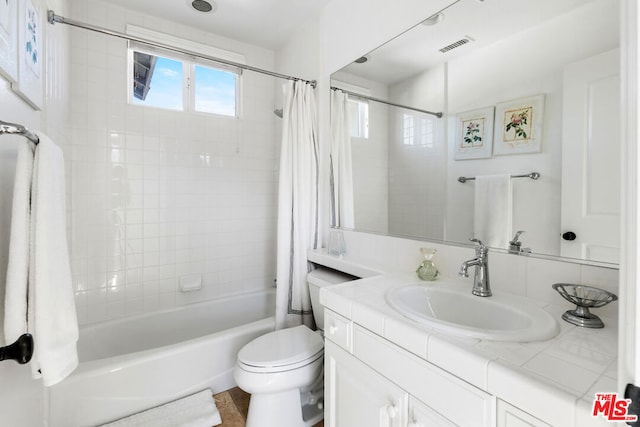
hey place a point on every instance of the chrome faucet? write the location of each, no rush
(481, 286)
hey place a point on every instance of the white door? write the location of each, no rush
(591, 158)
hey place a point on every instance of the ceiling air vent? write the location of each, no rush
(461, 42)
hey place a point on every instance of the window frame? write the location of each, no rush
(408, 129)
(189, 64)
(362, 119)
(220, 67)
(420, 132)
(149, 50)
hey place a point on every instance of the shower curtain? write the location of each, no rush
(341, 165)
(297, 205)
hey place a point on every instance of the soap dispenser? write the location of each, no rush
(427, 269)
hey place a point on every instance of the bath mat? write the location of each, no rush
(197, 410)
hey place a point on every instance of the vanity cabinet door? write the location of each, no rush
(510, 416)
(420, 415)
(357, 396)
(441, 391)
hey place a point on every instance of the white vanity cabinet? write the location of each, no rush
(358, 396)
(371, 382)
(510, 416)
(420, 415)
(434, 379)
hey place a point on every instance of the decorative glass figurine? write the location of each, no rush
(427, 270)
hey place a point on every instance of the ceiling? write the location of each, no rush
(482, 21)
(265, 23)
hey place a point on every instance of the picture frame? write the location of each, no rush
(30, 53)
(518, 126)
(474, 134)
(9, 39)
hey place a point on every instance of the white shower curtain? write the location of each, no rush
(297, 205)
(341, 164)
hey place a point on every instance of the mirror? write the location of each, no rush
(528, 88)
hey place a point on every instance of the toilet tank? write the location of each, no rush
(319, 278)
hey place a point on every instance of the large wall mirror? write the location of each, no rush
(527, 89)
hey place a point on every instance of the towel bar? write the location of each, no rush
(532, 175)
(16, 129)
(20, 351)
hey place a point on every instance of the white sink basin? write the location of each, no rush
(447, 308)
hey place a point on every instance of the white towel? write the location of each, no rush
(197, 410)
(15, 299)
(493, 210)
(51, 303)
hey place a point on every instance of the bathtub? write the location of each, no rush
(140, 362)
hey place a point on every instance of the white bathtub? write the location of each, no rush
(136, 363)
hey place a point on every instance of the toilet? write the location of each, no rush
(283, 370)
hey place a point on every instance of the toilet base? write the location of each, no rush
(283, 409)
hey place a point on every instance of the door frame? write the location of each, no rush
(629, 332)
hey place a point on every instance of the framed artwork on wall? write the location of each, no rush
(30, 53)
(474, 134)
(518, 126)
(9, 39)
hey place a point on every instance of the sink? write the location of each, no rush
(451, 309)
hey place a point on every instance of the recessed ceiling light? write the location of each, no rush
(204, 6)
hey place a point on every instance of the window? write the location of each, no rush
(165, 80)
(418, 130)
(164, 75)
(427, 132)
(215, 91)
(359, 117)
(408, 130)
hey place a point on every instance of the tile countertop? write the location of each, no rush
(554, 380)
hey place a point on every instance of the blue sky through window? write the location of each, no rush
(166, 85)
(215, 91)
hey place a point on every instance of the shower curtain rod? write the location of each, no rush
(370, 98)
(52, 18)
(15, 129)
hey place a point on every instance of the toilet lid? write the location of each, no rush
(282, 348)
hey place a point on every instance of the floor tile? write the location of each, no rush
(233, 405)
(231, 416)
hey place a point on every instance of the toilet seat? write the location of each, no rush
(282, 350)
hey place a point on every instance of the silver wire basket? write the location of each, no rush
(584, 297)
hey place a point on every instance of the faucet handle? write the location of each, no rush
(515, 241)
(478, 241)
(481, 248)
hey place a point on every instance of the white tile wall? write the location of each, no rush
(155, 195)
(370, 159)
(417, 197)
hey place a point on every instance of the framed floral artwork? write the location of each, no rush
(474, 134)
(9, 39)
(30, 53)
(518, 126)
